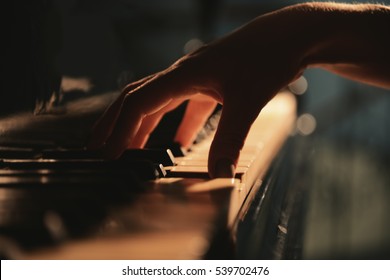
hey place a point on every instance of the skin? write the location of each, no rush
(244, 70)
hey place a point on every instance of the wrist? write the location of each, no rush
(343, 34)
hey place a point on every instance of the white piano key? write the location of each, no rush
(199, 169)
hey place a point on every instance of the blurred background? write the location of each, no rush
(337, 203)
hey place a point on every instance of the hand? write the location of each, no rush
(242, 71)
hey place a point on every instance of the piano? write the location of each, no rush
(68, 203)
(318, 193)
(60, 201)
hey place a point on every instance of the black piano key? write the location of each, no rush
(164, 156)
(161, 170)
(18, 153)
(72, 154)
(176, 149)
(157, 156)
(54, 164)
(144, 169)
(147, 170)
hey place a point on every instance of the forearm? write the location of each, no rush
(350, 40)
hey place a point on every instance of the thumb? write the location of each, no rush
(236, 120)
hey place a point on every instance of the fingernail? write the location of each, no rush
(224, 168)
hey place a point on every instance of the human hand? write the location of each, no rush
(242, 71)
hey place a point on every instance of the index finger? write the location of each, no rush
(147, 99)
(104, 125)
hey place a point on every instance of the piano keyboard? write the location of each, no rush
(159, 207)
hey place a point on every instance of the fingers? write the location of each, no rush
(198, 110)
(149, 123)
(104, 125)
(127, 125)
(233, 127)
(148, 99)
